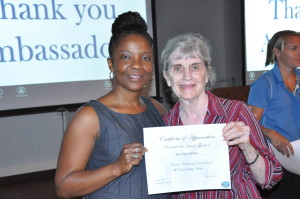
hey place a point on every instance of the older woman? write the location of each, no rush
(187, 69)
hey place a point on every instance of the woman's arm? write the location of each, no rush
(278, 141)
(267, 165)
(71, 178)
(237, 133)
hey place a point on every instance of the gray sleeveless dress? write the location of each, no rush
(116, 130)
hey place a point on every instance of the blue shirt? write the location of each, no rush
(281, 106)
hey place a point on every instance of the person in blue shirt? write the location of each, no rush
(275, 100)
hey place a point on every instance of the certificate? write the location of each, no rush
(185, 158)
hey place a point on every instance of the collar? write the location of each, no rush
(215, 107)
(277, 74)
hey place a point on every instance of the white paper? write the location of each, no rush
(292, 164)
(183, 158)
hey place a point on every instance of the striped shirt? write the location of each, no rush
(243, 183)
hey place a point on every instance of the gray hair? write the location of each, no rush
(188, 44)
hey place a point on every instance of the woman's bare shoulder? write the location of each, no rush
(84, 121)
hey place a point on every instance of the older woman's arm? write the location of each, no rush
(256, 163)
(261, 163)
(237, 133)
(266, 159)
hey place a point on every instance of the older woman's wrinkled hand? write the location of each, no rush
(130, 156)
(237, 133)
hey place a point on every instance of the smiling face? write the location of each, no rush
(289, 56)
(132, 62)
(187, 76)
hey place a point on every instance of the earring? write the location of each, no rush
(151, 78)
(111, 75)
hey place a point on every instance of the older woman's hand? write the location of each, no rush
(237, 133)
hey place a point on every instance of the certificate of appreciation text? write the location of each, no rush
(185, 158)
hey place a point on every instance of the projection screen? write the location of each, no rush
(263, 18)
(54, 52)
